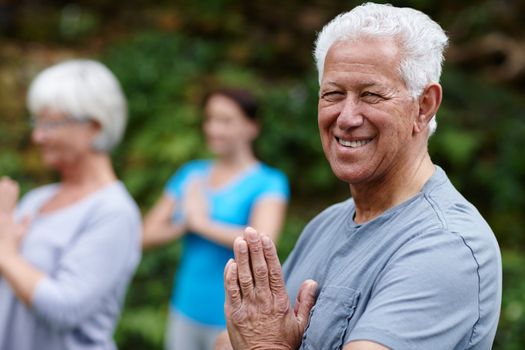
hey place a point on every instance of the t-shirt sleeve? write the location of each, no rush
(426, 297)
(275, 185)
(176, 184)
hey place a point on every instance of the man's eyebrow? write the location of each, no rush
(360, 84)
(329, 84)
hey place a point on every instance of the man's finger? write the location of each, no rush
(275, 275)
(231, 285)
(257, 260)
(242, 257)
(226, 267)
(306, 297)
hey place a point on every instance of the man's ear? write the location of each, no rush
(429, 103)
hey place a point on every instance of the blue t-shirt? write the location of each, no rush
(199, 288)
(426, 274)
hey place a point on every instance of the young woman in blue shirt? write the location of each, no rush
(207, 203)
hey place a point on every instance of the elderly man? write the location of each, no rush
(407, 262)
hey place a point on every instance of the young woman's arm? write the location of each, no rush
(159, 228)
(267, 216)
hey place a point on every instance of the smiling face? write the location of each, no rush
(366, 115)
(227, 129)
(63, 141)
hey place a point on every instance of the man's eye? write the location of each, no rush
(371, 96)
(332, 95)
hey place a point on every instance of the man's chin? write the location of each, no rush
(348, 175)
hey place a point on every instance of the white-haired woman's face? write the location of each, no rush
(63, 141)
(226, 128)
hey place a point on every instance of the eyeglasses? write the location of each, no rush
(53, 124)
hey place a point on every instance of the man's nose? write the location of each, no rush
(351, 114)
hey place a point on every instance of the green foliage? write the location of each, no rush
(76, 23)
(208, 44)
(141, 328)
(161, 76)
(478, 141)
(511, 335)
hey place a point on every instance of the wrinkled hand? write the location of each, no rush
(257, 307)
(9, 192)
(195, 206)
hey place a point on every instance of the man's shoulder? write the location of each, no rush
(326, 221)
(455, 213)
(338, 211)
(461, 219)
(338, 208)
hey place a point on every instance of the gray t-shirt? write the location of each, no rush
(89, 251)
(424, 275)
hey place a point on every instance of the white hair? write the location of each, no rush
(83, 90)
(423, 41)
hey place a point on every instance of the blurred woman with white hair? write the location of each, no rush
(68, 250)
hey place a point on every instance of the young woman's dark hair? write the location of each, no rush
(243, 98)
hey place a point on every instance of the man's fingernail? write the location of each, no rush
(267, 243)
(313, 287)
(251, 234)
(243, 248)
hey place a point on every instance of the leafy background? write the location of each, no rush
(168, 54)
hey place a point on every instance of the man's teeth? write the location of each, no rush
(353, 144)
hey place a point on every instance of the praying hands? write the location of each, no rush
(258, 311)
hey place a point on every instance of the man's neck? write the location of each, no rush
(372, 200)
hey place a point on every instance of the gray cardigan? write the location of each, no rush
(89, 252)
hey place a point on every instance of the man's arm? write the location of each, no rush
(359, 345)
(223, 343)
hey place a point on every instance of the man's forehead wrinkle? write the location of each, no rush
(356, 81)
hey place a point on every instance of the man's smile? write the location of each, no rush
(353, 143)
